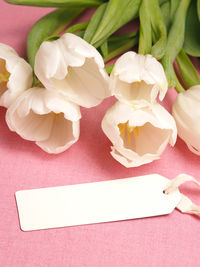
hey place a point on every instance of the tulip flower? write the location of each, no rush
(140, 135)
(186, 113)
(73, 68)
(138, 79)
(45, 117)
(15, 75)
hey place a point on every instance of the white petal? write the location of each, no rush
(33, 117)
(193, 150)
(6, 50)
(186, 113)
(137, 161)
(73, 68)
(137, 78)
(152, 128)
(20, 79)
(64, 133)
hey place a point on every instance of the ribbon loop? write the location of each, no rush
(185, 205)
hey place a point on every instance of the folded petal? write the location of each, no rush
(15, 75)
(137, 79)
(140, 135)
(45, 117)
(73, 68)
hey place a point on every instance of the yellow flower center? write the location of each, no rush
(68, 72)
(136, 84)
(56, 115)
(124, 127)
(4, 74)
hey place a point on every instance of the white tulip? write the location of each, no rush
(138, 79)
(45, 117)
(139, 136)
(15, 75)
(73, 68)
(186, 112)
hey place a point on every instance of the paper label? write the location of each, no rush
(122, 199)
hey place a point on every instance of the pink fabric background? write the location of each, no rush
(172, 240)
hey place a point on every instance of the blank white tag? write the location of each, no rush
(114, 200)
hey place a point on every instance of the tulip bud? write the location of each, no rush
(137, 79)
(186, 113)
(73, 68)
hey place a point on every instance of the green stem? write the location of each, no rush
(145, 38)
(159, 29)
(188, 72)
(178, 87)
(57, 3)
(130, 43)
(116, 14)
(175, 41)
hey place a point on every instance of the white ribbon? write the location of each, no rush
(185, 205)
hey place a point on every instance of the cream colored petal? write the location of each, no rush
(45, 117)
(33, 127)
(187, 116)
(82, 48)
(53, 59)
(64, 133)
(140, 135)
(154, 73)
(73, 68)
(193, 149)
(165, 121)
(20, 78)
(28, 124)
(137, 161)
(148, 145)
(138, 78)
(85, 86)
(6, 50)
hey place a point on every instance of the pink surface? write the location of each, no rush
(171, 240)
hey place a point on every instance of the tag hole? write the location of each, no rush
(164, 192)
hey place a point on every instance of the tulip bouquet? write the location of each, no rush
(68, 63)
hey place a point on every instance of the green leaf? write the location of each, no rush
(117, 48)
(192, 32)
(115, 38)
(117, 14)
(109, 68)
(187, 70)
(77, 27)
(198, 9)
(80, 34)
(57, 3)
(52, 38)
(94, 23)
(50, 24)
